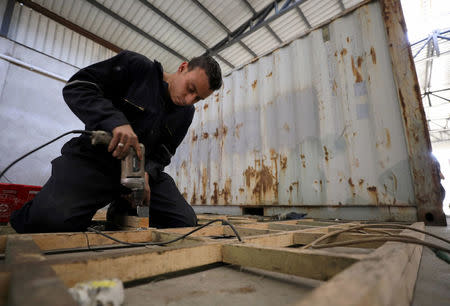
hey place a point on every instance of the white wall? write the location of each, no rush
(32, 112)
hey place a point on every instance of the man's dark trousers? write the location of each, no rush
(86, 178)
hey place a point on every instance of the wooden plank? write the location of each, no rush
(52, 241)
(32, 281)
(385, 277)
(136, 222)
(218, 230)
(312, 264)
(273, 240)
(306, 237)
(424, 172)
(137, 264)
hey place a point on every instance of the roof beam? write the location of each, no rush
(268, 27)
(70, 25)
(180, 28)
(207, 12)
(249, 27)
(7, 18)
(136, 29)
(303, 17)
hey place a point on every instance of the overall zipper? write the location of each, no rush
(131, 103)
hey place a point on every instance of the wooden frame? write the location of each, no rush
(381, 274)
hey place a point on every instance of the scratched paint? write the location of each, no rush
(285, 130)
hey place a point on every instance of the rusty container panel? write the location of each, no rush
(314, 123)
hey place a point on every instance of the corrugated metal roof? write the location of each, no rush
(37, 31)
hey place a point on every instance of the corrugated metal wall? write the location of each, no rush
(317, 122)
(36, 31)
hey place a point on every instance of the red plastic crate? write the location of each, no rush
(13, 196)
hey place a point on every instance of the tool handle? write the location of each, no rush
(101, 137)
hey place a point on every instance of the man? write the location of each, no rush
(131, 97)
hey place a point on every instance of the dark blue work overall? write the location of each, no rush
(125, 89)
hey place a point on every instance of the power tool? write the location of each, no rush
(133, 169)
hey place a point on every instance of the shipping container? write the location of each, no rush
(331, 124)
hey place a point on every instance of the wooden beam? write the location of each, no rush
(72, 26)
(424, 172)
(385, 277)
(306, 237)
(32, 281)
(311, 264)
(53, 241)
(137, 264)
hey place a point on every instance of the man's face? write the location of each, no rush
(189, 87)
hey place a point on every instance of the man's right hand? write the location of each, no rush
(124, 138)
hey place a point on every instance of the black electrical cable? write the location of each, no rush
(224, 222)
(40, 147)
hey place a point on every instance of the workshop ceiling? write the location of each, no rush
(235, 32)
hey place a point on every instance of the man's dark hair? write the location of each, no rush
(211, 67)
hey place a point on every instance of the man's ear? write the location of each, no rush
(183, 67)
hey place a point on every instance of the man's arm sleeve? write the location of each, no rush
(88, 93)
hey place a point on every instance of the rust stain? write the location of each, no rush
(216, 133)
(360, 60)
(269, 75)
(205, 107)
(227, 191)
(356, 162)
(302, 156)
(228, 91)
(214, 197)
(348, 39)
(343, 53)
(373, 193)
(194, 137)
(184, 194)
(183, 165)
(249, 174)
(204, 186)
(224, 130)
(205, 135)
(286, 127)
(326, 153)
(374, 55)
(361, 182)
(350, 182)
(237, 129)
(358, 77)
(283, 162)
(217, 97)
(196, 108)
(273, 154)
(241, 190)
(405, 117)
(194, 197)
(254, 84)
(335, 87)
(263, 181)
(388, 138)
(335, 53)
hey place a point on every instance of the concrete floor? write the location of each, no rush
(433, 279)
(226, 285)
